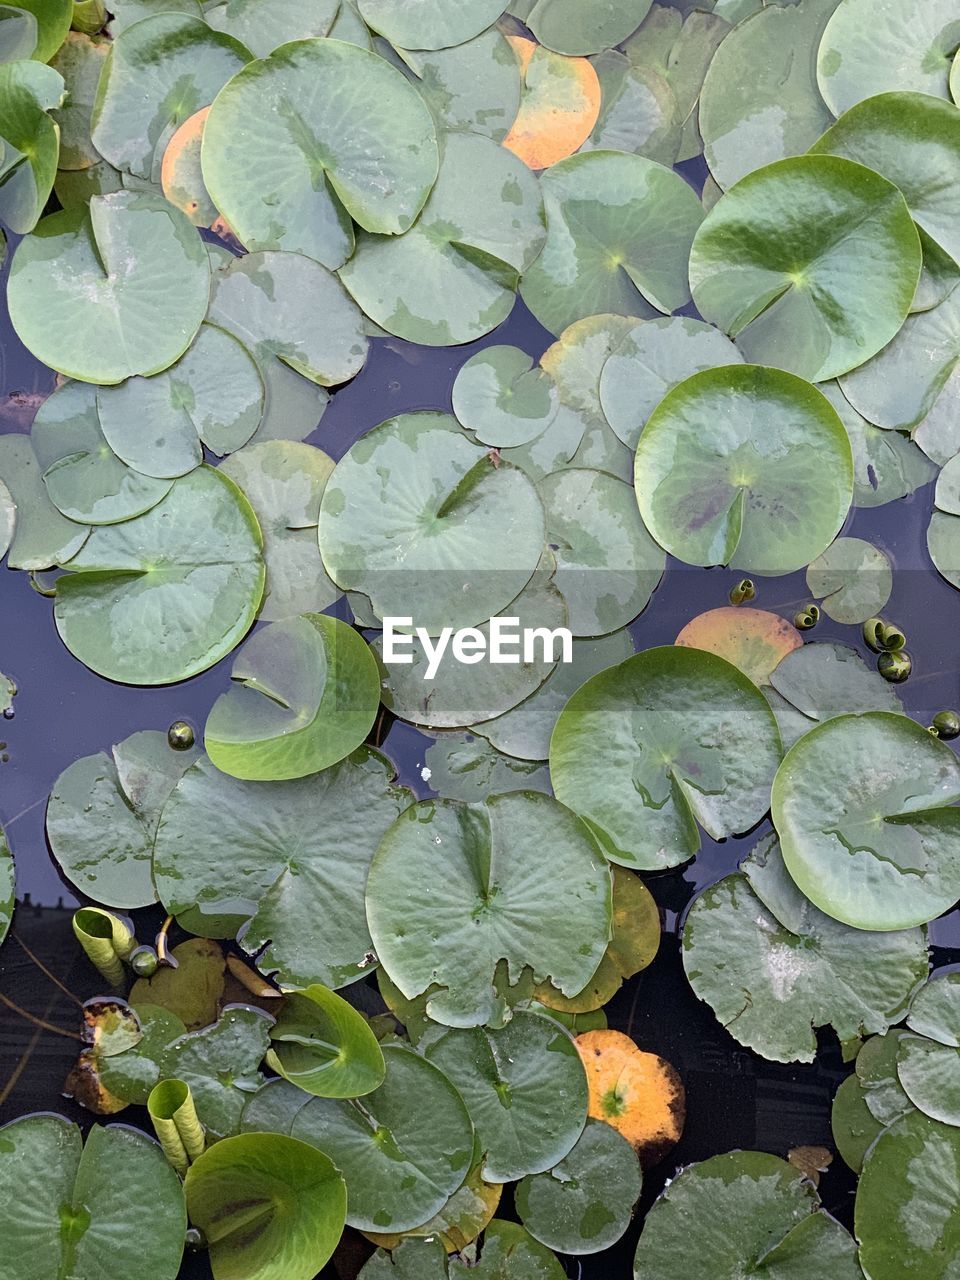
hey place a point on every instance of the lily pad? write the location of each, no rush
(619, 231)
(782, 114)
(59, 1205)
(7, 885)
(181, 176)
(935, 1009)
(744, 1211)
(191, 991)
(559, 105)
(874, 847)
(773, 968)
(852, 579)
(305, 694)
(289, 857)
(164, 596)
(305, 113)
(930, 1075)
(18, 33)
(524, 1087)
(101, 823)
(639, 1094)
(436, 24)
(584, 26)
(639, 112)
(810, 263)
(53, 19)
(453, 276)
(585, 1202)
(484, 860)
(283, 481)
(8, 517)
(79, 60)
(269, 1206)
(672, 737)
(877, 1072)
(462, 767)
(853, 1125)
(415, 512)
(263, 25)
(323, 1046)
(83, 476)
(904, 1223)
(39, 535)
(650, 360)
(127, 295)
(752, 639)
(503, 397)
(744, 466)
(29, 140)
(871, 46)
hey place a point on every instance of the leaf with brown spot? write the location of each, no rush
(182, 179)
(752, 639)
(85, 1087)
(559, 105)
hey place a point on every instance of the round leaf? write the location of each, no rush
(461, 767)
(323, 1046)
(639, 112)
(935, 1009)
(875, 847)
(930, 1076)
(852, 1123)
(39, 536)
(191, 992)
(852, 580)
(501, 396)
(584, 26)
(637, 1093)
(811, 264)
(262, 25)
(7, 885)
(752, 639)
(436, 24)
(559, 105)
(181, 176)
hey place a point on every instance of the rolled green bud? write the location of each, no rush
(88, 16)
(744, 590)
(177, 1125)
(946, 725)
(107, 940)
(895, 667)
(872, 631)
(144, 962)
(892, 638)
(180, 735)
(807, 618)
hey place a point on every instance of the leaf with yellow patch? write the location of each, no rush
(752, 639)
(559, 105)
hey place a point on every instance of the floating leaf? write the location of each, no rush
(53, 19)
(783, 113)
(461, 767)
(161, 597)
(508, 1252)
(810, 263)
(191, 988)
(871, 46)
(453, 276)
(80, 61)
(524, 1087)
(744, 466)
(877, 1072)
(262, 25)
(323, 1046)
(304, 112)
(101, 825)
(639, 113)
(181, 176)
(131, 1076)
(484, 861)
(126, 12)
(584, 1204)
(29, 140)
(873, 847)
(741, 1212)
(584, 26)
(503, 397)
(83, 476)
(935, 1009)
(290, 857)
(852, 579)
(650, 360)
(619, 230)
(8, 518)
(710, 749)
(773, 968)
(637, 1093)
(7, 885)
(269, 1206)
(752, 639)
(40, 535)
(437, 24)
(127, 295)
(88, 1211)
(927, 1063)
(852, 1124)
(559, 105)
(18, 33)
(415, 512)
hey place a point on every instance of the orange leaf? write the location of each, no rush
(559, 106)
(752, 639)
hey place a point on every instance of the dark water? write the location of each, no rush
(63, 711)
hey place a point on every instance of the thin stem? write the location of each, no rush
(44, 970)
(37, 1022)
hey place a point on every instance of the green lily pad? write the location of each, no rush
(639, 112)
(585, 1202)
(83, 476)
(852, 579)
(853, 1125)
(53, 18)
(159, 73)
(127, 295)
(289, 857)
(164, 596)
(947, 492)
(39, 535)
(903, 1214)
(269, 1206)
(912, 139)
(126, 12)
(877, 1072)
(819, 681)
(132, 1075)
(608, 566)
(7, 885)
(873, 847)
(453, 276)
(810, 263)
(743, 1212)
(744, 466)
(192, 991)
(436, 24)
(283, 481)
(8, 518)
(503, 397)
(263, 25)
(18, 33)
(79, 60)
(323, 1046)
(619, 231)
(484, 861)
(773, 968)
(212, 396)
(101, 823)
(584, 26)
(29, 140)
(305, 694)
(930, 1075)
(650, 360)
(461, 767)
(935, 1009)
(415, 512)
(524, 1087)
(525, 730)
(871, 46)
(782, 114)
(61, 1210)
(943, 543)
(672, 737)
(344, 135)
